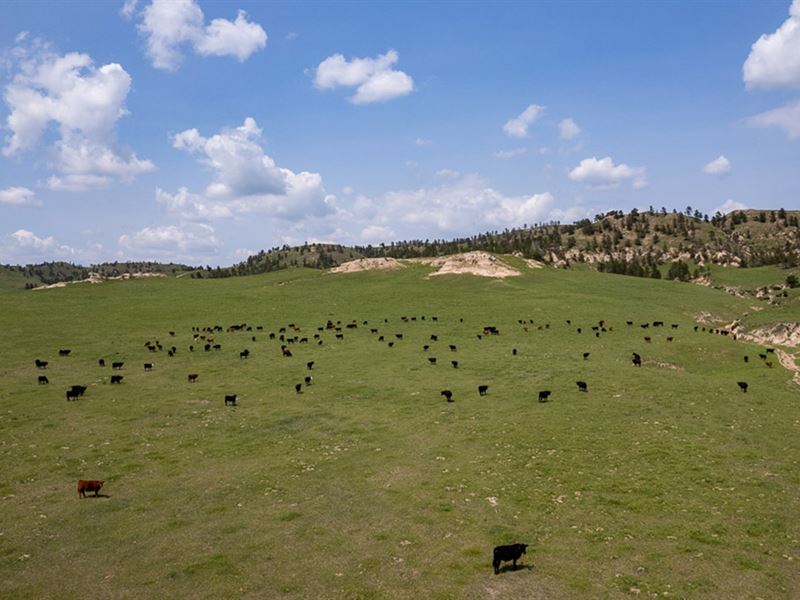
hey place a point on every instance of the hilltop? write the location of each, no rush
(635, 243)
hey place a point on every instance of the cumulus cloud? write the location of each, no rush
(374, 78)
(786, 117)
(85, 102)
(451, 173)
(128, 8)
(730, 206)
(24, 246)
(18, 196)
(603, 173)
(718, 166)
(169, 25)
(176, 242)
(506, 154)
(422, 142)
(568, 129)
(774, 59)
(518, 126)
(245, 179)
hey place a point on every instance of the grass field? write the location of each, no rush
(662, 480)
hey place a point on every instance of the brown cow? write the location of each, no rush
(192, 377)
(89, 485)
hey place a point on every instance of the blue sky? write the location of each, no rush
(201, 131)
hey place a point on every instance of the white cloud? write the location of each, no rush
(128, 8)
(422, 142)
(506, 154)
(718, 166)
(182, 242)
(18, 196)
(568, 129)
(451, 173)
(603, 173)
(730, 206)
(168, 25)
(85, 102)
(786, 117)
(25, 246)
(518, 126)
(774, 59)
(245, 179)
(375, 79)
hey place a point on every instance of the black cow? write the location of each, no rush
(746, 359)
(101, 363)
(390, 344)
(448, 395)
(636, 360)
(148, 366)
(217, 347)
(742, 385)
(771, 350)
(513, 352)
(116, 379)
(586, 355)
(230, 399)
(308, 379)
(544, 395)
(72, 395)
(454, 363)
(658, 323)
(207, 347)
(399, 336)
(674, 325)
(286, 351)
(79, 389)
(244, 353)
(172, 333)
(64, 352)
(629, 322)
(43, 379)
(762, 356)
(41, 364)
(645, 325)
(117, 365)
(482, 389)
(512, 552)
(452, 348)
(582, 387)
(579, 329)
(432, 360)
(425, 348)
(310, 365)
(170, 353)
(339, 336)
(298, 387)
(380, 339)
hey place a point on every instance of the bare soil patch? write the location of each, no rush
(477, 263)
(368, 264)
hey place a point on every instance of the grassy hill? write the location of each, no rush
(661, 480)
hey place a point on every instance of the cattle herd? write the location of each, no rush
(291, 334)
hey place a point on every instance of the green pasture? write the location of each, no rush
(662, 480)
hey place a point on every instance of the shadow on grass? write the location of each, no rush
(95, 496)
(506, 568)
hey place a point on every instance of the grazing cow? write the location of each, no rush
(79, 389)
(207, 347)
(762, 356)
(629, 322)
(696, 327)
(452, 348)
(286, 351)
(674, 325)
(513, 352)
(586, 355)
(298, 387)
(746, 359)
(512, 552)
(769, 364)
(308, 379)
(170, 353)
(116, 379)
(770, 350)
(448, 395)
(148, 366)
(482, 390)
(425, 348)
(117, 365)
(244, 353)
(272, 335)
(72, 394)
(339, 336)
(230, 399)
(434, 338)
(647, 339)
(373, 331)
(43, 379)
(64, 352)
(454, 363)
(569, 321)
(597, 334)
(637, 360)
(742, 385)
(658, 323)
(670, 338)
(480, 337)
(432, 360)
(101, 363)
(191, 348)
(399, 336)
(645, 325)
(172, 333)
(390, 344)
(310, 365)
(579, 329)
(582, 387)
(544, 395)
(192, 377)
(217, 347)
(41, 364)
(380, 339)
(89, 485)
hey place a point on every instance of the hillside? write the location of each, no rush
(634, 243)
